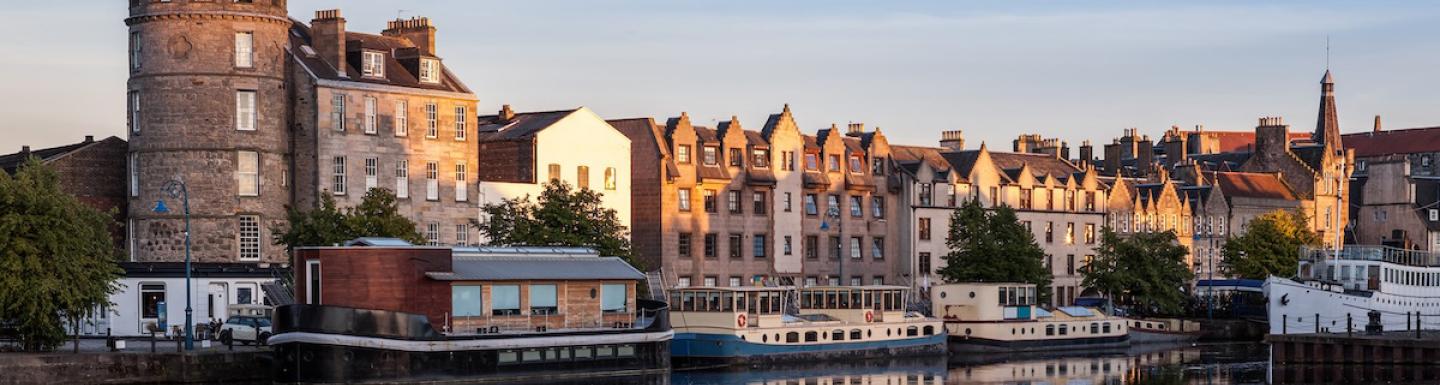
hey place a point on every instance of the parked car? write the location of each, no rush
(246, 329)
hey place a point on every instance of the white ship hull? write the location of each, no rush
(1294, 306)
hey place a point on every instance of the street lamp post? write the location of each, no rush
(176, 189)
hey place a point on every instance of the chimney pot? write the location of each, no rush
(1377, 124)
(25, 149)
(89, 138)
(506, 113)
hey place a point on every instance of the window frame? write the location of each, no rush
(372, 64)
(249, 236)
(371, 125)
(246, 116)
(429, 71)
(339, 180)
(400, 118)
(244, 54)
(247, 178)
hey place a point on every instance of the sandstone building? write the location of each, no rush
(1396, 190)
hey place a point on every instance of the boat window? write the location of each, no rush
(869, 298)
(792, 337)
(912, 331)
(584, 352)
(560, 353)
(1094, 328)
(855, 334)
(764, 303)
(1106, 328)
(727, 302)
(604, 351)
(714, 300)
(626, 351)
(505, 299)
(775, 303)
(1049, 330)
(1003, 292)
(812, 336)
(855, 300)
(844, 300)
(530, 355)
(837, 335)
(831, 300)
(1064, 330)
(929, 330)
(689, 302)
(807, 300)
(740, 302)
(507, 356)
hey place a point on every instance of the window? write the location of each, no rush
(1049, 232)
(682, 242)
(372, 173)
(877, 207)
(460, 118)
(1434, 215)
(1070, 200)
(926, 194)
(923, 228)
(370, 116)
(1070, 264)
(877, 166)
(757, 199)
(787, 160)
(834, 162)
(245, 110)
(710, 240)
(812, 162)
(247, 173)
(710, 156)
(856, 165)
(135, 111)
(855, 248)
(684, 199)
(735, 282)
(735, 247)
(833, 206)
(1425, 160)
(337, 183)
(682, 282)
(856, 211)
(432, 120)
(1025, 198)
(855, 281)
(465, 300)
(812, 247)
(610, 178)
(553, 170)
(244, 49)
(787, 245)
(372, 64)
(402, 118)
(1086, 266)
(312, 285)
(542, 300)
(732, 201)
(134, 166)
(462, 182)
(429, 71)
(432, 234)
(994, 196)
(582, 177)
(737, 157)
(787, 202)
(432, 181)
(1360, 166)
(761, 158)
(810, 207)
(924, 262)
(760, 244)
(1070, 233)
(249, 238)
(505, 300)
(682, 154)
(151, 295)
(709, 197)
(836, 247)
(402, 178)
(709, 281)
(462, 235)
(1090, 201)
(612, 298)
(878, 280)
(135, 50)
(1089, 233)
(337, 112)
(877, 248)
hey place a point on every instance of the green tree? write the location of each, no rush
(57, 260)
(992, 246)
(560, 216)
(1270, 245)
(1145, 272)
(377, 215)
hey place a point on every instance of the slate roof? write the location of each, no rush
(534, 263)
(376, 241)
(1312, 155)
(396, 72)
(1254, 185)
(1041, 165)
(962, 161)
(1226, 161)
(909, 158)
(523, 126)
(1427, 197)
(1406, 141)
(11, 162)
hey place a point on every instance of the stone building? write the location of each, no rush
(92, 171)
(1396, 190)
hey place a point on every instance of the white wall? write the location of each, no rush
(581, 138)
(124, 313)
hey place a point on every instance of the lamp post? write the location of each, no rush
(176, 190)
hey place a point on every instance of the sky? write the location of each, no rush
(1074, 70)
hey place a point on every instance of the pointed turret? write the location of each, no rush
(1327, 126)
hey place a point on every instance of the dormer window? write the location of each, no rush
(374, 64)
(710, 156)
(856, 166)
(429, 71)
(812, 162)
(760, 158)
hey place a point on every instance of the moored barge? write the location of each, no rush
(1003, 318)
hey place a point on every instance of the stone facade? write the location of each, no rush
(94, 172)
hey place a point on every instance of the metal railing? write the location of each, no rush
(1374, 253)
(516, 324)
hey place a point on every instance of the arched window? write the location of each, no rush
(792, 337)
(812, 336)
(837, 335)
(855, 334)
(1094, 328)
(929, 330)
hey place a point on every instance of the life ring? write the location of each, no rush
(869, 316)
(740, 321)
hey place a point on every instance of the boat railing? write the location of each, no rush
(647, 314)
(1373, 253)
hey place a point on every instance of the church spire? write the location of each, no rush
(1327, 126)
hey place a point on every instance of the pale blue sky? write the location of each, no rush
(1073, 69)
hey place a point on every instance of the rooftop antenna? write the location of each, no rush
(400, 14)
(1327, 52)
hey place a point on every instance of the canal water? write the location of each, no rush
(1199, 364)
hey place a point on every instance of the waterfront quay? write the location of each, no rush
(1388, 348)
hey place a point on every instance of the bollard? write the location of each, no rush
(179, 348)
(152, 341)
(1349, 326)
(1284, 324)
(1317, 323)
(1407, 321)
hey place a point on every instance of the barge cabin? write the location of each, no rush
(1003, 317)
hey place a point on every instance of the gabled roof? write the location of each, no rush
(1254, 185)
(1225, 161)
(637, 128)
(521, 126)
(11, 162)
(962, 161)
(1406, 141)
(1312, 155)
(1041, 165)
(396, 72)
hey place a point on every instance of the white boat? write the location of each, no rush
(1002, 317)
(1162, 330)
(1334, 290)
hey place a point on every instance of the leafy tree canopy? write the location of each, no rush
(377, 215)
(56, 256)
(560, 216)
(992, 246)
(1269, 246)
(1145, 272)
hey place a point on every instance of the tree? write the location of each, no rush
(992, 246)
(560, 216)
(1270, 246)
(57, 260)
(1145, 272)
(377, 215)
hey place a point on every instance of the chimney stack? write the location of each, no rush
(416, 29)
(855, 129)
(1272, 136)
(327, 35)
(25, 149)
(1087, 154)
(506, 114)
(89, 138)
(1377, 124)
(952, 140)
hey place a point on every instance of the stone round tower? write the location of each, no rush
(207, 104)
